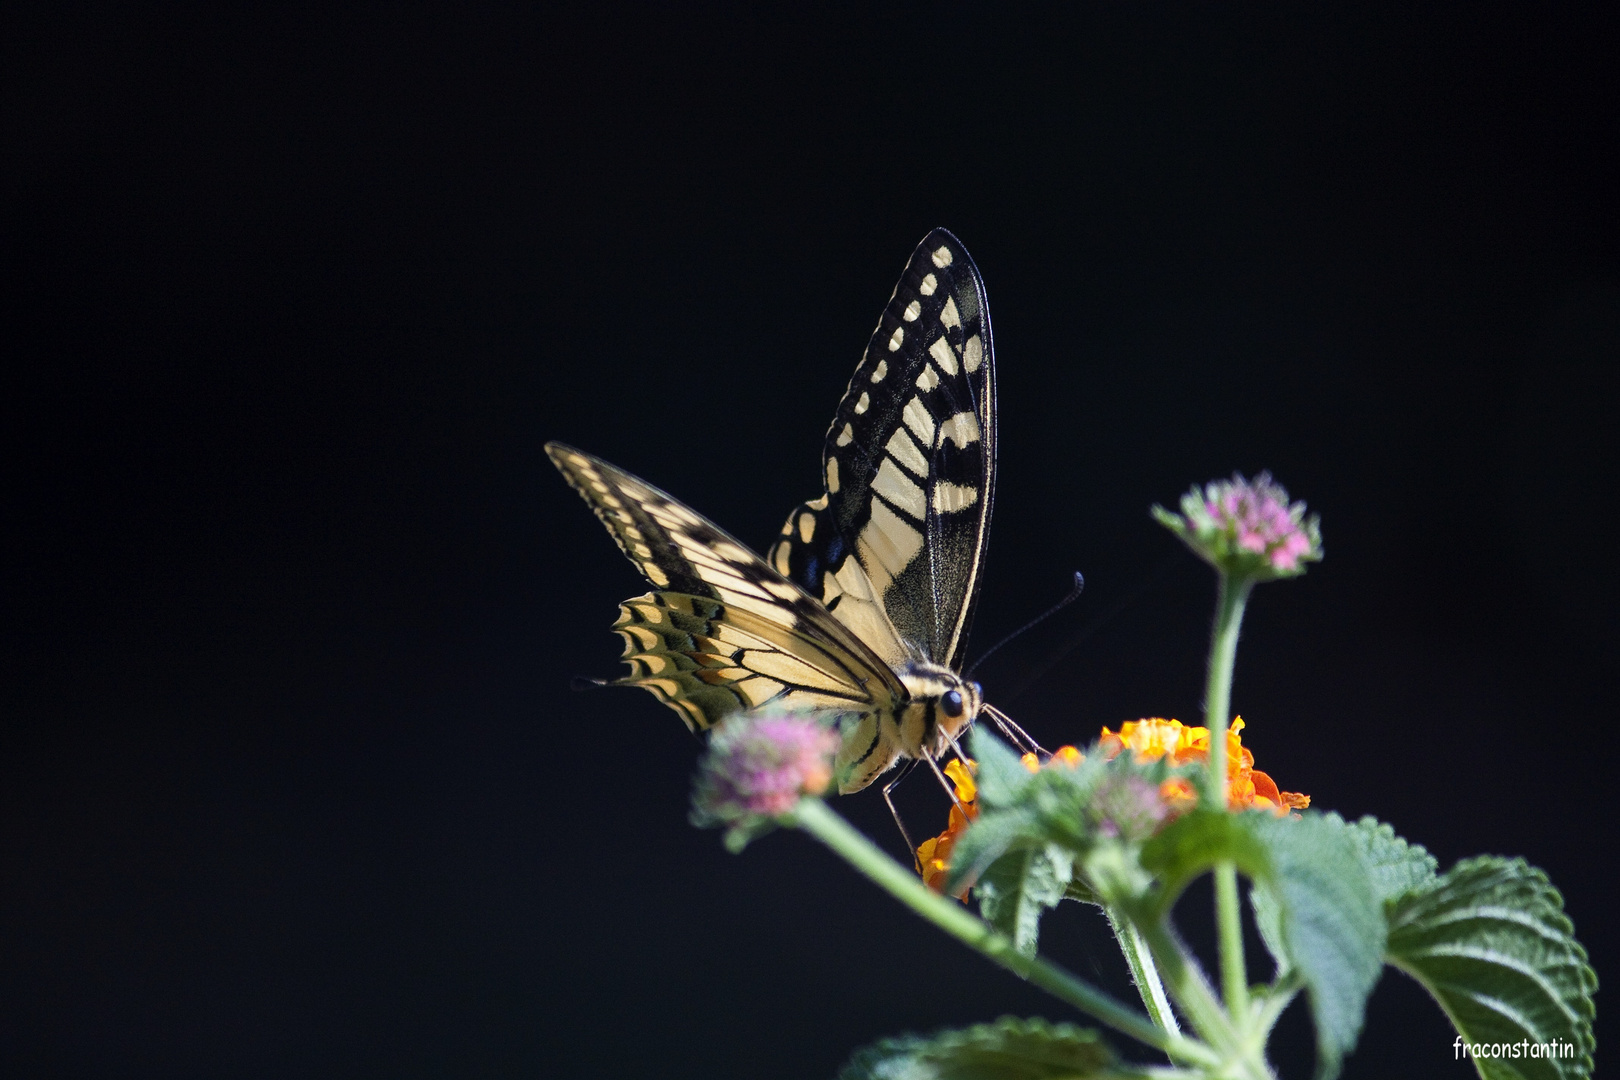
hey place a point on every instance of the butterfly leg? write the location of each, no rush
(888, 790)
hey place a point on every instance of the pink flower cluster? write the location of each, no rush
(1246, 528)
(1257, 515)
(763, 766)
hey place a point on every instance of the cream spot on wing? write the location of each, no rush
(942, 256)
(862, 405)
(928, 379)
(898, 488)
(948, 315)
(758, 689)
(896, 338)
(718, 573)
(609, 499)
(832, 476)
(972, 354)
(632, 532)
(780, 558)
(889, 541)
(793, 670)
(655, 575)
(949, 497)
(643, 637)
(846, 436)
(818, 503)
(807, 527)
(642, 550)
(757, 602)
(941, 351)
(781, 590)
(905, 451)
(733, 552)
(919, 420)
(913, 309)
(880, 371)
(929, 284)
(624, 516)
(696, 719)
(642, 607)
(599, 486)
(666, 686)
(961, 429)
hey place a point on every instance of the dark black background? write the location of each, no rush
(290, 779)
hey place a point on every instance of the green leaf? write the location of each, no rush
(1268, 919)
(1490, 941)
(1332, 925)
(1395, 866)
(1009, 1049)
(1195, 842)
(986, 840)
(1084, 893)
(1018, 888)
(1326, 923)
(1000, 775)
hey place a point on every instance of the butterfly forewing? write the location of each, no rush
(894, 547)
(726, 632)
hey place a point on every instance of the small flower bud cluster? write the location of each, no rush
(1246, 528)
(1128, 807)
(759, 768)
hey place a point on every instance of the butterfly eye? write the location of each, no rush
(951, 703)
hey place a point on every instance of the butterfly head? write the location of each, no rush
(942, 704)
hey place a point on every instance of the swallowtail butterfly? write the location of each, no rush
(861, 608)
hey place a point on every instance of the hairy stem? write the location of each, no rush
(1229, 604)
(1143, 971)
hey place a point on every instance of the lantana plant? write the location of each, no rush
(1126, 823)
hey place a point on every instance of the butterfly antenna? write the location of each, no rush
(1177, 561)
(1013, 732)
(1074, 594)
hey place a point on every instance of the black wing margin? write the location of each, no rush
(895, 545)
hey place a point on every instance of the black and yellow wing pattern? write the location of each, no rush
(862, 606)
(725, 632)
(894, 546)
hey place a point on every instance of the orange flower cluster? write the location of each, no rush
(1247, 788)
(934, 855)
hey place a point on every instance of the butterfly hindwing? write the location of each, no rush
(706, 661)
(894, 547)
(725, 632)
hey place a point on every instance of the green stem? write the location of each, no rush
(816, 818)
(1229, 918)
(1229, 604)
(1189, 987)
(1143, 971)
